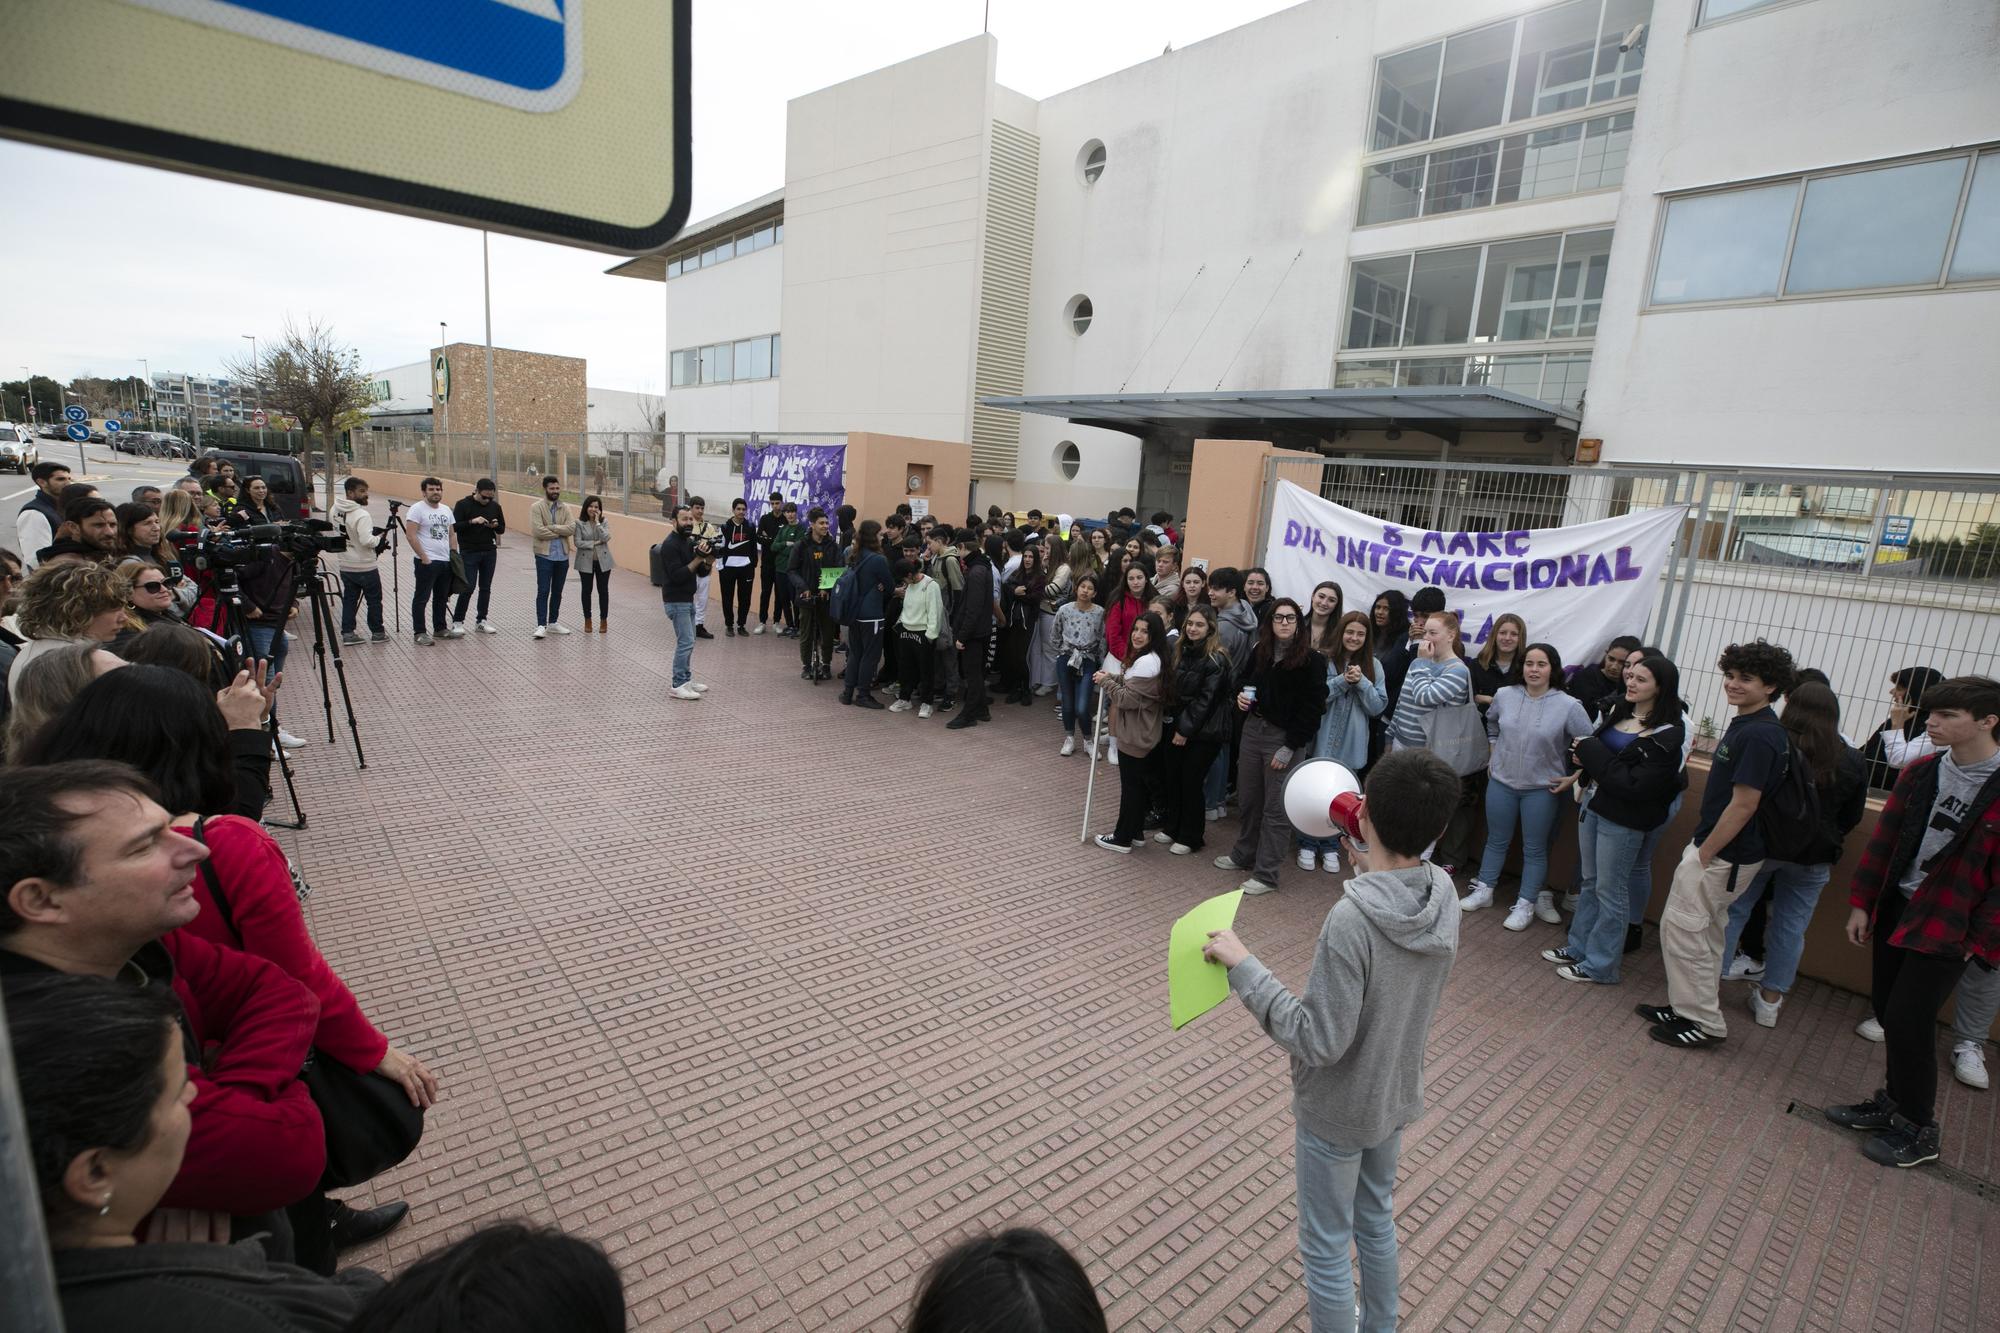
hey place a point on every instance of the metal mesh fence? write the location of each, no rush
(1858, 574)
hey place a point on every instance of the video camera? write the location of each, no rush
(233, 548)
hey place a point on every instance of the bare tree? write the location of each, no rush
(654, 409)
(308, 373)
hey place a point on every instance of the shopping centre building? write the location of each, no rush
(1700, 232)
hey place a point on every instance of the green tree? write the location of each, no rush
(1974, 556)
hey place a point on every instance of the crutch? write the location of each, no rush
(1096, 735)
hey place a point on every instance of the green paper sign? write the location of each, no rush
(1195, 985)
(829, 577)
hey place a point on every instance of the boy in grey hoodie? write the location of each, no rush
(1357, 1037)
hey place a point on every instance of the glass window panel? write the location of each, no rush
(778, 234)
(1365, 375)
(673, 268)
(1405, 87)
(1474, 92)
(1516, 374)
(1553, 71)
(1580, 289)
(1883, 228)
(742, 358)
(759, 365)
(762, 238)
(715, 364)
(1607, 142)
(1711, 10)
(746, 242)
(1392, 191)
(1715, 247)
(1375, 302)
(1520, 283)
(1441, 296)
(1462, 178)
(1431, 370)
(686, 368)
(1564, 381)
(1977, 254)
(1538, 164)
(776, 338)
(1618, 71)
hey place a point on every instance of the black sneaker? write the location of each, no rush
(1684, 1034)
(1562, 955)
(701, 632)
(1905, 1144)
(1878, 1112)
(1656, 1013)
(805, 673)
(729, 629)
(961, 722)
(1635, 938)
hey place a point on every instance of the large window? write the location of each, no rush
(1537, 164)
(725, 363)
(1530, 290)
(714, 252)
(1553, 377)
(1556, 59)
(1910, 225)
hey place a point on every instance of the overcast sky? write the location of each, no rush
(107, 263)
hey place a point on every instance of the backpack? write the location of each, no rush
(657, 563)
(1788, 818)
(841, 607)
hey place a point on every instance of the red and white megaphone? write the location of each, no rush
(1323, 798)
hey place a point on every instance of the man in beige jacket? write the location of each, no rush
(552, 524)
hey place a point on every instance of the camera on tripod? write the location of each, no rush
(234, 548)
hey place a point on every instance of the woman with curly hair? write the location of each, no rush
(74, 601)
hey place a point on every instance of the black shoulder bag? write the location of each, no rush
(370, 1124)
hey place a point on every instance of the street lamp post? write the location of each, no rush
(257, 369)
(152, 400)
(28, 393)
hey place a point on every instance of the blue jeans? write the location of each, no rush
(269, 643)
(1794, 893)
(1345, 1199)
(1606, 856)
(1534, 808)
(356, 585)
(1076, 697)
(478, 574)
(1641, 883)
(682, 616)
(550, 575)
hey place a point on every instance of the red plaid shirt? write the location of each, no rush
(1956, 910)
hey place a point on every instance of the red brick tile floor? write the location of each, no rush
(775, 998)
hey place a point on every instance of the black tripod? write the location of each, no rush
(311, 585)
(229, 600)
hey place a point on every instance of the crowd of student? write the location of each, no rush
(150, 913)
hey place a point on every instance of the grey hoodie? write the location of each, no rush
(1239, 628)
(1357, 1038)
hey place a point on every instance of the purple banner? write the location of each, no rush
(806, 474)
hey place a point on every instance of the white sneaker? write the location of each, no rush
(901, 706)
(541, 631)
(1764, 1011)
(1545, 908)
(1743, 966)
(1180, 849)
(289, 741)
(1163, 838)
(685, 692)
(1481, 896)
(924, 711)
(1228, 862)
(1868, 1029)
(558, 628)
(487, 627)
(758, 630)
(1213, 813)
(1968, 1064)
(457, 630)
(1520, 918)
(1114, 755)
(694, 685)
(1308, 859)
(1069, 746)
(1253, 886)
(1569, 902)
(1330, 863)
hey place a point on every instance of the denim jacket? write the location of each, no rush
(1343, 732)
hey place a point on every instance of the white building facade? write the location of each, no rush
(1735, 232)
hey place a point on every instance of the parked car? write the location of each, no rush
(52, 431)
(287, 479)
(17, 448)
(153, 444)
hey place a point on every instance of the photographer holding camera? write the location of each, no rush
(359, 578)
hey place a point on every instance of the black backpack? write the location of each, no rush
(1788, 818)
(656, 558)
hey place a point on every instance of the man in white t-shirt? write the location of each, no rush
(433, 537)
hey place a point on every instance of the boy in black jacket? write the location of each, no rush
(972, 629)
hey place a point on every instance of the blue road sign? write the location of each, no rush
(113, 425)
(1896, 529)
(77, 432)
(75, 413)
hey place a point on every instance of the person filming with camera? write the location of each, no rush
(359, 577)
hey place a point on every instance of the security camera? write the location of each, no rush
(1633, 38)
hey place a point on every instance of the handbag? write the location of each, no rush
(368, 1120)
(460, 585)
(1457, 735)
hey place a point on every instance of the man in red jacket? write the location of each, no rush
(92, 876)
(1927, 894)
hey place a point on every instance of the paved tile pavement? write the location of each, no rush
(775, 998)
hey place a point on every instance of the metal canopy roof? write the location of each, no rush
(1445, 410)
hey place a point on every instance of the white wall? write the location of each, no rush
(1848, 382)
(883, 176)
(738, 298)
